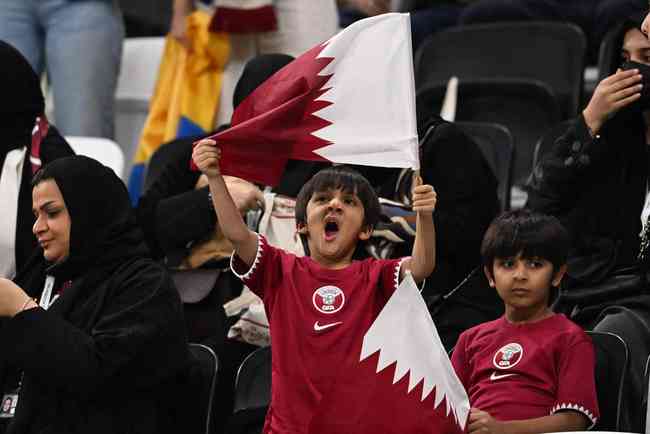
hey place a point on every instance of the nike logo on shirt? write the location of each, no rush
(319, 328)
(496, 376)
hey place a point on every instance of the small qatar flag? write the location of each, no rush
(403, 382)
(348, 100)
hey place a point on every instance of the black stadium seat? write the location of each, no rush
(527, 108)
(550, 52)
(495, 141)
(252, 393)
(612, 360)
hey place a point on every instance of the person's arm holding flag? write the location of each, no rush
(423, 256)
(206, 156)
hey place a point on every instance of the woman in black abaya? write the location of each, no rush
(95, 327)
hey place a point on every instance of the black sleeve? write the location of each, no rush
(171, 212)
(559, 178)
(139, 325)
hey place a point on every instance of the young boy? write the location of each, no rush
(531, 371)
(319, 307)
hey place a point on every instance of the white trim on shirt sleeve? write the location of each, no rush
(575, 407)
(258, 256)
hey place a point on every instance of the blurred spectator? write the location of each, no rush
(79, 44)
(26, 139)
(427, 16)
(594, 17)
(595, 181)
(300, 25)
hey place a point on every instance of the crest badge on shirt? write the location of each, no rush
(9, 403)
(508, 356)
(328, 299)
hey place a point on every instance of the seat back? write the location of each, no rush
(612, 360)
(139, 68)
(202, 381)
(503, 50)
(495, 141)
(645, 407)
(253, 382)
(103, 150)
(527, 108)
(135, 87)
(252, 393)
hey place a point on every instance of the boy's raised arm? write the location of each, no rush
(206, 156)
(423, 256)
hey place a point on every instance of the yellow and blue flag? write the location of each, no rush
(187, 92)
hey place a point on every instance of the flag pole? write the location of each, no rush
(427, 135)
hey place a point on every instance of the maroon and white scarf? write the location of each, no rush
(244, 16)
(10, 180)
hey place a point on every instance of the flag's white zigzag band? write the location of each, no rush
(405, 321)
(366, 126)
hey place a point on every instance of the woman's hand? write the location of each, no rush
(612, 94)
(206, 156)
(481, 422)
(424, 197)
(245, 195)
(13, 299)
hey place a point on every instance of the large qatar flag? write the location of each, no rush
(350, 100)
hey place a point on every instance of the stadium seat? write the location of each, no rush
(495, 141)
(505, 50)
(252, 393)
(612, 360)
(135, 87)
(203, 380)
(186, 401)
(645, 408)
(527, 108)
(103, 150)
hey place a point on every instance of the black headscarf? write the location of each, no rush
(610, 56)
(256, 72)
(103, 228)
(21, 91)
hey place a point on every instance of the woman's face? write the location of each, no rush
(636, 47)
(52, 226)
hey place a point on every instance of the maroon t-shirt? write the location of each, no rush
(318, 318)
(524, 371)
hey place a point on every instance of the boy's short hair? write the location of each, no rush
(532, 234)
(347, 180)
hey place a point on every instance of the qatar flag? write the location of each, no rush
(403, 382)
(349, 100)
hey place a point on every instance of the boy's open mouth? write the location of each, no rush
(331, 229)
